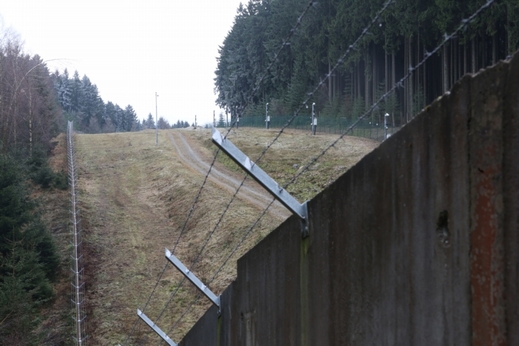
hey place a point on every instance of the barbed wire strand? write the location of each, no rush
(229, 256)
(464, 23)
(285, 43)
(184, 227)
(208, 238)
(351, 47)
(447, 38)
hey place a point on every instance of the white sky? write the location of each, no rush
(132, 48)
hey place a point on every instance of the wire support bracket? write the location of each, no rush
(192, 277)
(155, 328)
(300, 209)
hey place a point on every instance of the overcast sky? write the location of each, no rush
(132, 49)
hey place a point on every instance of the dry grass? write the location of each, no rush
(135, 198)
(294, 150)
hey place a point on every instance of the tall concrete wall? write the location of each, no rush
(416, 245)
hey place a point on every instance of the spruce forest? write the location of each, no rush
(402, 37)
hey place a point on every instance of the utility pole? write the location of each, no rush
(195, 122)
(214, 120)
(156, 121)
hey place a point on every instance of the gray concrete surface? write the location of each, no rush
(415, 245)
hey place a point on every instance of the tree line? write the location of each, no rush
(35, 105)
(162, 123)
(402, 37)
(29, 262)
(80, 101)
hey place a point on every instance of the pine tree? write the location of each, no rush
(163, 124)
(221, 121)
(150, 122)
(28, 259)
(129, 119)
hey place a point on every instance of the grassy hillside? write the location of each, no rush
(135, 198)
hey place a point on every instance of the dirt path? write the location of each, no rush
(250, 192)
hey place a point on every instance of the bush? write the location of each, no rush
(44, 176)
(60, 181)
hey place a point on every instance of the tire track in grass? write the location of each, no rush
(250, 192)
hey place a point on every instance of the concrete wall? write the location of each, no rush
(416, 245)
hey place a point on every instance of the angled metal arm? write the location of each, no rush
(192, 277)
(260, 176)
(155, 328)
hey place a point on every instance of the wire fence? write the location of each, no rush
(288, 122)
(78, 282)
(367, 125)
(373, 128)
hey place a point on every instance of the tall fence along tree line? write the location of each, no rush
(80, 101)
(404, 35)
(34, 107)
(35, 103)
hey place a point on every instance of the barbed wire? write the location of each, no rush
(166, 265)
(195, 261)
(464, 23)
(229, 256)
(330, 72)
(191, 210)
(351, 47)
(285, 43)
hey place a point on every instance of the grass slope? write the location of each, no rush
(135, 198)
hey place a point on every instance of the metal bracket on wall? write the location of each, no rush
(157, 330)
(192, 277)
(300, 209)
